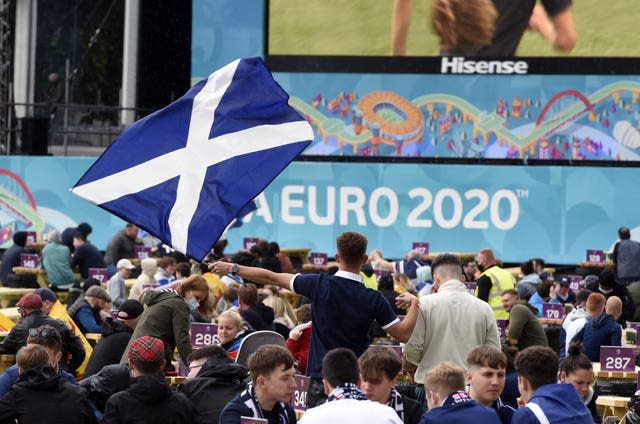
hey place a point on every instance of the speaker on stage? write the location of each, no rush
(35, 136)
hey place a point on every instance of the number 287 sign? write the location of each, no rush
(616, 358)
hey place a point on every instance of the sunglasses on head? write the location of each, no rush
(43, 332)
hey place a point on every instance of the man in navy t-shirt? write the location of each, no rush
(343, 308)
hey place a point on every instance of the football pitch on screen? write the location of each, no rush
(363, 27)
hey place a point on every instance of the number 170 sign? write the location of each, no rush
(616, 358)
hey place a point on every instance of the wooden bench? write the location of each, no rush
(8, 294)
(612, 405)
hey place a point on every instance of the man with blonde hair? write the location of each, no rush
(42, 395)
(448, 402)
(613, 307)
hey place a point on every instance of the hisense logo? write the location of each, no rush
(458, 65)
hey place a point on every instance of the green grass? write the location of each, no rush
(363, 27)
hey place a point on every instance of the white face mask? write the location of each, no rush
(192, 304)
(603, 291)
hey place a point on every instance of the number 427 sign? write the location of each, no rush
(616, 358)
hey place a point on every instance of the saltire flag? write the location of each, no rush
(185, 172)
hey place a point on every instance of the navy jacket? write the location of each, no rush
(560, 403)
(602, 331)
(462, 411)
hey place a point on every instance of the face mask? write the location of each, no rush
(192, 304)
(603, 291)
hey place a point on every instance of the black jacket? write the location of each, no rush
(413, 410)
(149, 399)
(72, 350)
(111, 379)
(42, 396)
(620, 290)
(219, 380)
(259, 317)
(109, 350)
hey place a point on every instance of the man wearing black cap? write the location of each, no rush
(115, 337)
(73, 352)
(564, 294)
(608, 286)
(148, 397)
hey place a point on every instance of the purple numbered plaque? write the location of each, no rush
(28, 260)
(575, 282)
(32, 237)
(249, 242)
(142, 252)
(471, 286)
(616, 358)
(502, 328)
(635, 326)
(252, 420)
(299, 398)
(552, 311)
(202, 334)
(318, 259)
(421, 247)
(99, 274)
(595, 255)
(183, 370)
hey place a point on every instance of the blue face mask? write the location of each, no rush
(192, 304)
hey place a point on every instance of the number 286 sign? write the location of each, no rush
(616, 358)
(202, 334)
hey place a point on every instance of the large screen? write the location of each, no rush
(364, 28)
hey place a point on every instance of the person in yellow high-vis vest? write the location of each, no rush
(492, 282)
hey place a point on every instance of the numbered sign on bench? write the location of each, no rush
(595, 255)
(421, 247)
(99, 274)
(252, 420)
(142, 252)
(552, 311)
(318, 258)
(502, 328)
(249, 242)
(32, 237)
(299, 398)
(471, 286)
(202, 334)
(574, 284)
(29, 260)
(617, 359)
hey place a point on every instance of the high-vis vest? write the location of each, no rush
(500, 280)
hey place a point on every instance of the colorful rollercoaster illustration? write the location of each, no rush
(570, 125)
(18, 210)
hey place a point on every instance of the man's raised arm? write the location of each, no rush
(259, 275)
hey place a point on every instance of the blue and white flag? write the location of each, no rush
(184, 172)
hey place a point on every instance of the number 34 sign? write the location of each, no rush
(616, 358)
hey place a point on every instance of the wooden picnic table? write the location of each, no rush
(40, 273)
(309, 267)
(298, 255)
(612, 405)
(597, 265)
(7, 294)
(629, 375)
(464, 256)
(11, 313)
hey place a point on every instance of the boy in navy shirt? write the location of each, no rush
(343, 308)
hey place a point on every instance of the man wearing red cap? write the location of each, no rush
(148, 397)
(30, 308)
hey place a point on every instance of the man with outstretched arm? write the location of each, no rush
(343, 308)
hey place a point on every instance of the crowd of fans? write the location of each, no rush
(447, 313)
